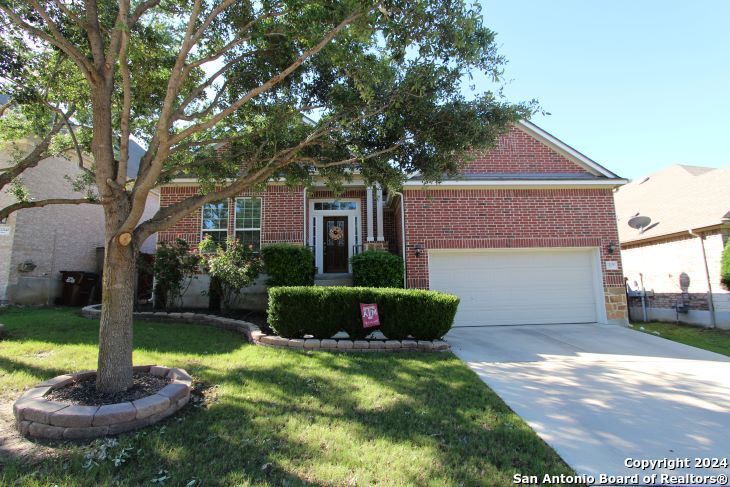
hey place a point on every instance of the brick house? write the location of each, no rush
(673, 226)
(36, 244)
(527, 235)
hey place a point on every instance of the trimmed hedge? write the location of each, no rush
(376, 268)
(288, 265)
(324, 311)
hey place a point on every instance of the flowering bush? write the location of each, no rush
(174, 268)
(232, 268)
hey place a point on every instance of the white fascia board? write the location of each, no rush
(317, 183)
(555, 183)
(564, 149)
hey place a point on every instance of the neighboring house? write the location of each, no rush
(37, 243)
(673, 225)
(528, 235)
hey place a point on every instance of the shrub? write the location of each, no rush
(375, 268)
(174, 267)
(298, 311)
(725, 266)
(323, 311)
(232, 269)
(288, 265)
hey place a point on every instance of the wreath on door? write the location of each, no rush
(335, 233)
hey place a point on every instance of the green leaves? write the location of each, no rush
(18, 190)
(323, 311)
(261, 89)
(725, 266)
(175, 265)
(375, 268)
(233, 267)
(288, 264)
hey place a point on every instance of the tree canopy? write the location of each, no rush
(235, 90)
(233, 93)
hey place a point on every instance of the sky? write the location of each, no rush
(635, 85)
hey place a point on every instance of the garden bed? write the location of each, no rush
(49, 411)
(83, 391)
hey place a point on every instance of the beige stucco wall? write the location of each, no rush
(662, 263)
(53, 238)
(6, 247)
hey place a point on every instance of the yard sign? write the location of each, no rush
(369, 314)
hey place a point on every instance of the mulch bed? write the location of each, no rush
(84, 393)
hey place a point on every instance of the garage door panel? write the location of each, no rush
(504, 298)
(548, 291)
(517, 287)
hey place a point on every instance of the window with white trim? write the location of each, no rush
(248, 222)
(335, 205)
(215, 221)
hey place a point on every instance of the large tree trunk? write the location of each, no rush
(114, 371)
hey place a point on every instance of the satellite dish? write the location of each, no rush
(639, 222)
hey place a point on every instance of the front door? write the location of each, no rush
(335, 243)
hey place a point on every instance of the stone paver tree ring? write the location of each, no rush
(42, 418)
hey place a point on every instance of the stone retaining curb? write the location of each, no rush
(42, 418)
(257, 337)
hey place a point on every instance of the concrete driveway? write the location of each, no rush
(601, 394)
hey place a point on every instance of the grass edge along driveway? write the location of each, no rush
(712, 339)
(269, 416)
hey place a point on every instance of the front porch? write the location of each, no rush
(338, 228)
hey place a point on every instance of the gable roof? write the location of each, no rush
(584, 172)
(677, 198)
(565, 150)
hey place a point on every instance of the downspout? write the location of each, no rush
(710, 299)
(403, 233)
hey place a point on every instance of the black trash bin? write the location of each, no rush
(78, 287)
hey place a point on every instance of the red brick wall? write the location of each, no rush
(509, 218)
(282, 214)
(518, 152)
(189, 227)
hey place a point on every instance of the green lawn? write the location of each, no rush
(277, 417)
(710, 339)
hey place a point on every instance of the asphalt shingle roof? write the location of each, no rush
(676, 198)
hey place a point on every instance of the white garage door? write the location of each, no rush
(518, 287)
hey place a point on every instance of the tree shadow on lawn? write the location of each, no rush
(8, 366)
(283, 417)
(332, 419)
(62, 326)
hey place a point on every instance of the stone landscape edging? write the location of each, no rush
(257, 337)
(41, 418)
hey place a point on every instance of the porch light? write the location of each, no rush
(419, 249)
(611, 247)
